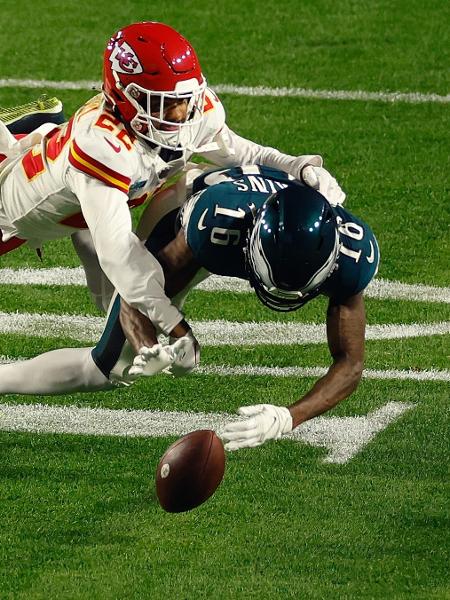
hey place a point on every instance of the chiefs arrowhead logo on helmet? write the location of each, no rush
(124, 60)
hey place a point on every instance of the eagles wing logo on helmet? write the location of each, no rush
(124, 60)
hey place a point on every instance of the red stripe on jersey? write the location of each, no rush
(85, 163)
(137, 201)
(57, 138)
(76, 221)
(209, 97)
(10, 245)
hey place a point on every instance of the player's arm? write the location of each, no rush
(150, 356)
(234, 150)
(134, 272)
(178, 263)
(345, 332)
(225, 148)
(179, 268)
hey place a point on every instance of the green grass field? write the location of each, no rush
(79, 515)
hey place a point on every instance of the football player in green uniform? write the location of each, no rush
(251, 222)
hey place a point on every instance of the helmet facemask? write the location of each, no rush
(150, 123)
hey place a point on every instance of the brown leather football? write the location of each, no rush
(190, 471)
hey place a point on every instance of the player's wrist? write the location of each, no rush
(287, 421)
(181, 329)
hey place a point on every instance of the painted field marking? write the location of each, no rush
(256, 91)
(210, 333)
(258, 371)
(54, 276)
(379, 288)
(342, 437)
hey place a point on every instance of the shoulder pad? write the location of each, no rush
(187, 208)
(102, 148)
(358, 259)
(213, 115)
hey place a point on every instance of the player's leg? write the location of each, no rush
(57, 372)
(100, 287)
(113, 354)
(25, 118)
(74, 369)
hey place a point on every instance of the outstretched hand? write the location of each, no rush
(150, 361)
(186, 353)
(261, 422)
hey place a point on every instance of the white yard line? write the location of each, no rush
(55, 276)
(220, 332)
(342, 437)
(410, 98)
(210, 333)
(53, 85)
(395, 290)
(258, 371)
(258, 91)
(251, 370)
(379, 288)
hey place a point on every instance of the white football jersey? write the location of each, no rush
(84, 173)
(42, 191)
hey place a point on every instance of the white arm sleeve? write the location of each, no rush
(134, 272)
(234, 150)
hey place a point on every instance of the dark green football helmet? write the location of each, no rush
(292, 248)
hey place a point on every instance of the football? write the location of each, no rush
(190, 471)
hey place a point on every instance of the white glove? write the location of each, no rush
(322, 181)
(263, 422)
(150, 361)
(186, 353)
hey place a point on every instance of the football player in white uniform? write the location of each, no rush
(154, 113)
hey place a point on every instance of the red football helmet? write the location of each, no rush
(147, 68)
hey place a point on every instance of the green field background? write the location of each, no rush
(79, 514)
